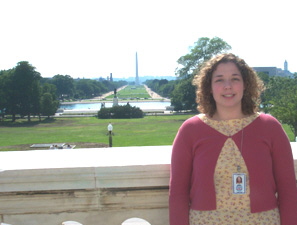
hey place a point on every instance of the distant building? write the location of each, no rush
(274, 71)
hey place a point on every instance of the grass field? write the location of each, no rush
(132, 91)
(147, 131)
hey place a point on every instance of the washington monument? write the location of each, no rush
(136, 78)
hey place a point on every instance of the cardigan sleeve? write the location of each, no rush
(284, 173)
(180, 177)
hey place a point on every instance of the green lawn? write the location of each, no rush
(148, 131)
(132, 91)
(289, 132)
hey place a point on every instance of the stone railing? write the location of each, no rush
(103, 186)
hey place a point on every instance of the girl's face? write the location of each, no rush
(227, 86)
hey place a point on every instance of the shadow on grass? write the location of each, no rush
(26, 123)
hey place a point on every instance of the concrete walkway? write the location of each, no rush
(153, 94)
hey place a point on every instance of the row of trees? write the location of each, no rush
(69, 88)
(24, 92)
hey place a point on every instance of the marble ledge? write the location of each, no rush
(119, 167)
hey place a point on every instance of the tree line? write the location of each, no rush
(24, 92)
(279, 98)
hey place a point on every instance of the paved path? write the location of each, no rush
(153, 94)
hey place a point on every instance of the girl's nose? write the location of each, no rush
(227, 84)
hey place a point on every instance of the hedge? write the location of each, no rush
(120, 112)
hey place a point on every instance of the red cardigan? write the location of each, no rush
(268, 157)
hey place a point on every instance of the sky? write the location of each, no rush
(93, 38)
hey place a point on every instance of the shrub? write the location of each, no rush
(120, 112)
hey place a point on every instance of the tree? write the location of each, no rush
(4, 92)
(282, 97)
(87, 88)
(183, 96)
(9, 98)
(50, 88)
(21, 85)
(166, 89)
(3, 98)
(65, 86)
(49, 102)
(265, 104)
(26, 82)
(20, 90)
(49, 106)
(163, 87)
(264, 77)
(36, 107)
(204, 49)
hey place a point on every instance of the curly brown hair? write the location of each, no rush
(252, 83)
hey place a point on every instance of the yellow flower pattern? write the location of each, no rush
(232, 209)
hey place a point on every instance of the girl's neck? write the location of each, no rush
(225, 115)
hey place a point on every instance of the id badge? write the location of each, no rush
(239, 183)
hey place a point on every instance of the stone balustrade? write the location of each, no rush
(103, 186)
